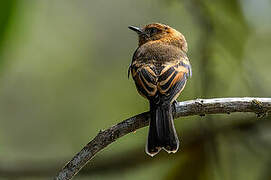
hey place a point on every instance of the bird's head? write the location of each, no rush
(157, 32)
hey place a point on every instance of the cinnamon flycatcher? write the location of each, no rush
(160, 69)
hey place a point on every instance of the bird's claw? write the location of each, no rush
(258, 107)
(174, 107)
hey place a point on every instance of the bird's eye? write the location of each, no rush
(153, 31)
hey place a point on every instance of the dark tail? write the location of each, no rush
(162, 133)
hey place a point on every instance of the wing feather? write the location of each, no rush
(173, 80)
(145, 79)
(160, 77)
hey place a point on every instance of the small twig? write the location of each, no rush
(186, 108)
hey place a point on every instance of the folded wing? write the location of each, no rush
(165, 81)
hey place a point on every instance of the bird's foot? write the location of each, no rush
(174, 107)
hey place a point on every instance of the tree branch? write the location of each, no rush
(260, 106)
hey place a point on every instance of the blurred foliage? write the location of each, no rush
(6, 11)
(64, 78)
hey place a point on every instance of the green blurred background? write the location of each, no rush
(63, 77)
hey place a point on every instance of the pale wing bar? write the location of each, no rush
(172, 81)
(145, 79)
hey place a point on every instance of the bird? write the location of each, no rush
(160, 69)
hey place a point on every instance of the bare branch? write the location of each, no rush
(260, 106)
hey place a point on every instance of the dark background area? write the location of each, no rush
(63, 77)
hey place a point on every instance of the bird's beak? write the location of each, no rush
(136, 29)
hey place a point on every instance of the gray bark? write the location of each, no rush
(259, 106)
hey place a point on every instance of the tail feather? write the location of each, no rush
(162, 133)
